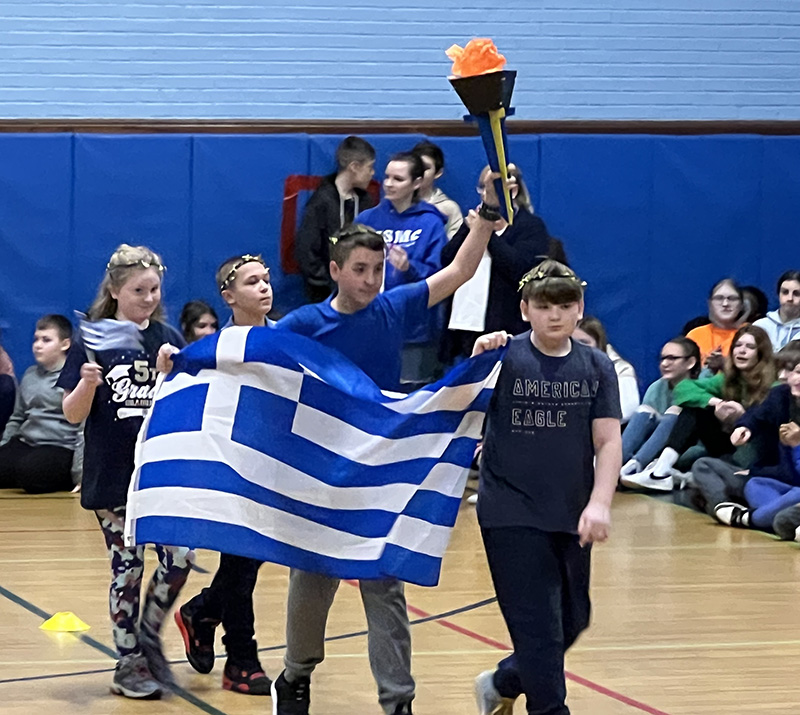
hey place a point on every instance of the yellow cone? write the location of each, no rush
(64, 622)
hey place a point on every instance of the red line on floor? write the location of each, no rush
(596, 687)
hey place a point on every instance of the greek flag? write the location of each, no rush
(266, 444)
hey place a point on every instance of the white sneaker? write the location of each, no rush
(490, 702)
(732, 514)
(630, 467)
(797, 534)
(646, 480)
(472, 498)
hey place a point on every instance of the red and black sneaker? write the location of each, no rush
(247, 680)
(198, 639)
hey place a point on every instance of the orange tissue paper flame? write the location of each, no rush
(478, 57)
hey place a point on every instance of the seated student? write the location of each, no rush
(489, 301)
(649, 428)
(711, 406)
(785, 360)
(714, 339)
(338, 200)
(198, 319)
(8, 388)
(414, 234)
(590, 331)
(783, 325)
(433, 159)
(755, 498)
(755, 305)
(38, 446)
(244, 284)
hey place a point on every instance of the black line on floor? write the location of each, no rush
(186, 695)
(97, 645)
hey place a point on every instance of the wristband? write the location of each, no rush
(490, 213)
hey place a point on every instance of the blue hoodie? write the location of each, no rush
(419, 230)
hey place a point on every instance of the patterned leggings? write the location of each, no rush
(127, 565)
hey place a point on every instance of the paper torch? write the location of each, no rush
(485, 89)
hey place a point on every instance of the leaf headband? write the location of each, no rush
(540, 274)
(139, 264)
(246, 258)
(354, 229)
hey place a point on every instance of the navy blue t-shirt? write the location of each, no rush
(372, 337)
(537, 467)
(120, 402)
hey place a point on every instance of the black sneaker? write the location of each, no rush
(291, 698)
(250, 680)
(198, 639)
(403, 709)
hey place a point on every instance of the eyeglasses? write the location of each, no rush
(722, 299)
(671, 358)
(480, 188)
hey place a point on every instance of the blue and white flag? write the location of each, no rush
(107, 334)
(266, 444)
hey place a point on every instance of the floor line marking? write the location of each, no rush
(580, 680)
(97, 645)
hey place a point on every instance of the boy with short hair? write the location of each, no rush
(370, 328)
(244, 284)
(432, 157)
(338, 200)
(552, 451)
(40, 450)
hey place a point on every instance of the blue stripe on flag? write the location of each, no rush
(396, 562)
(179, 412)
(325, 465)
(199, 355)
(433, 507)
(372, 417)
(219, 477)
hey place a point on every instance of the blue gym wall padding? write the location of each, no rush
(649, 221)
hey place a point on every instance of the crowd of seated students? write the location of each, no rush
(723, 419)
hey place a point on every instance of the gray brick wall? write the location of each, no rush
(338, 59)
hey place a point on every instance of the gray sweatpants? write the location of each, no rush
(389, 634)
(716, 481)
(787, 522)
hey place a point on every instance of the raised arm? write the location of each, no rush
(449, 279)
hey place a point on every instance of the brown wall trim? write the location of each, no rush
(432, 128)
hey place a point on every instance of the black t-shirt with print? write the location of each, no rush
(537, 466)
(120, 402)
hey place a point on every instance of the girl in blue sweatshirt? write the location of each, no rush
(414, 234)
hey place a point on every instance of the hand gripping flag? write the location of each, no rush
(265, 444)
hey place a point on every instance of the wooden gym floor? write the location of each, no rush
(690, 618)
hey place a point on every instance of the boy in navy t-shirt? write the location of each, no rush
(244, 284)
(552, 451)
(370, 328)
